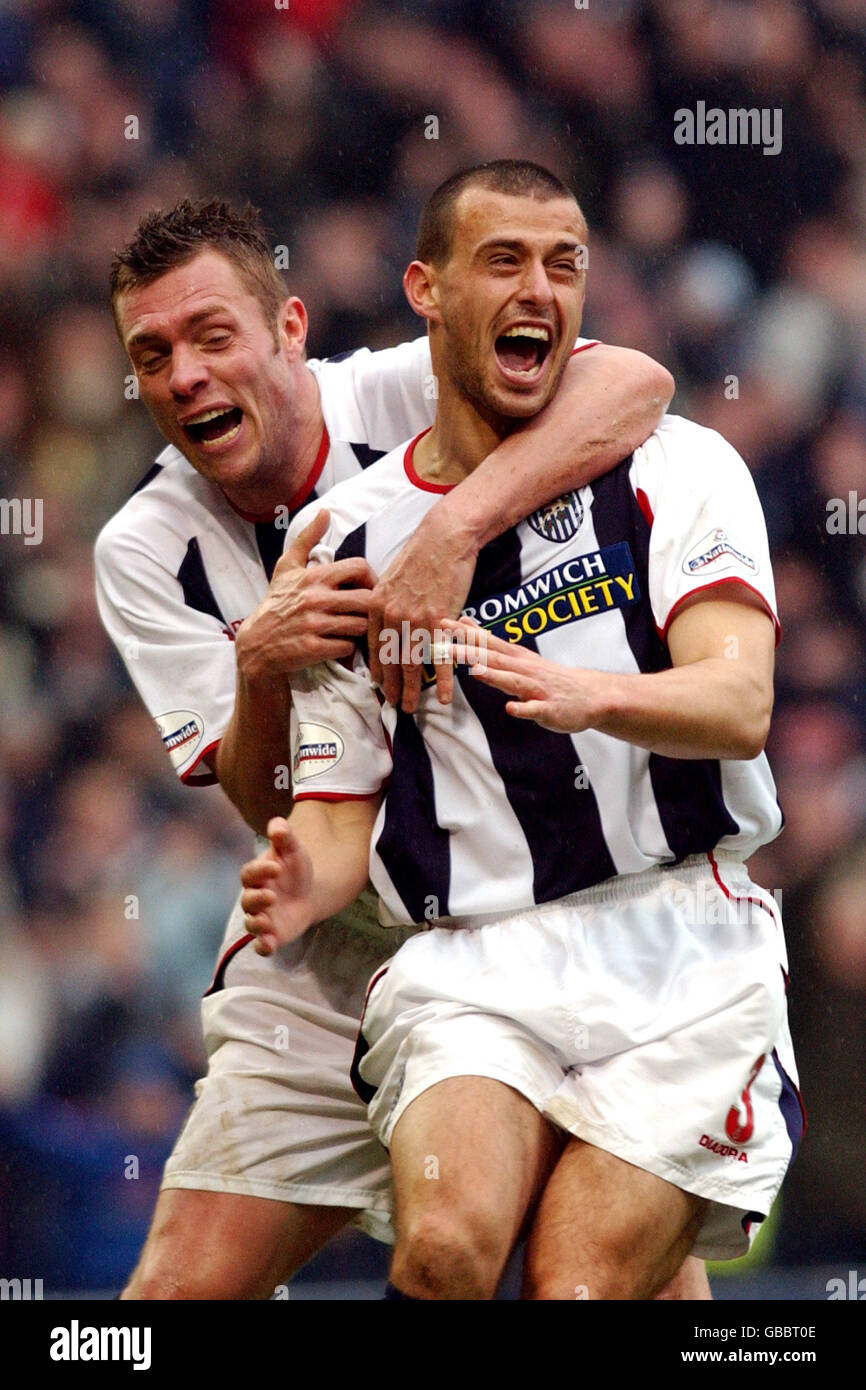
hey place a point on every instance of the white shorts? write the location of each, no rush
(276, 1116)
(646, 1016)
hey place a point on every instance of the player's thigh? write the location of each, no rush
(604, 1228)
(219, 1245)
(475, 1149)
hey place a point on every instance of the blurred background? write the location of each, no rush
(744, 272)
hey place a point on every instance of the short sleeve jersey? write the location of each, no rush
(178, 569)
(483, 812)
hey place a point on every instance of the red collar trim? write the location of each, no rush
(303, 491)
(411, 473)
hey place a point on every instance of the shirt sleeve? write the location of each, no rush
(339, 748)
(395, 391)
(708, 529)
(181, 661)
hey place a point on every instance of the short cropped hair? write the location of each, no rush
(516, 176)
(165, 240)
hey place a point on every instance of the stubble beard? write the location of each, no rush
(469, 380)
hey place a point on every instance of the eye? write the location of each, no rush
(149, 361)
(218, 338)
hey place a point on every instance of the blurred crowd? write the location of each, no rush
(744, 272)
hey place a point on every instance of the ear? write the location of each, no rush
(292, 327)
(422, 291)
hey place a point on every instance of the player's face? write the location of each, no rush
(212, 375)
(511, 298)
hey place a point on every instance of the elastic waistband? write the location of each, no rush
(619, 889)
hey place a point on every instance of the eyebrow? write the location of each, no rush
(208, 312)
(503, 243)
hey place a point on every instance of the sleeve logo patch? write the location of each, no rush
(182, 731)
(317, 748)
(717, 552)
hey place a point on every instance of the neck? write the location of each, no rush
(287, 460)
(462, 436)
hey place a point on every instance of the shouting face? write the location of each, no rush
(509, 299)
(218, 379)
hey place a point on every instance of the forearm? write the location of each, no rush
(336, 836)
(707, 709)
(609, 401)
(252, 761)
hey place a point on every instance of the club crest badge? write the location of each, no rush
(559, 520)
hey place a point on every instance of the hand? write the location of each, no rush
(430, 576)
(277, 884)
(308, 614)
(561, 698)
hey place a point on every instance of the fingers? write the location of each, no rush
(354, 570)
(527, 709)
(345, 601)
(374, 632)
(481, 639)
(511, 682)
(255, 903)
(265, 943)
(444, 680)
(281, 837)
(411, 681)
(258, 872)
(392, 681)
(298, 553)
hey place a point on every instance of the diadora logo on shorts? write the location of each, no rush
(717, 552)
(716, 1146)
(317, 748)
(182, 731)
(559, 520)
(579, 588)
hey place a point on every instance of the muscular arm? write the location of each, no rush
(316, 865)
(715, 702)
(609, 401)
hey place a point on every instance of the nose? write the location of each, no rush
(188, 371)
(536, 287)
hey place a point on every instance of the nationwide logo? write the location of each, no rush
(559, 520)
(580, 588)
(717, 551)
(182, 731)
(317, 748)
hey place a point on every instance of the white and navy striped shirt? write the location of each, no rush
(483, 812)
(178, 569)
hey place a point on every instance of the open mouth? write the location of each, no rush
(522, 350)
(215, 426)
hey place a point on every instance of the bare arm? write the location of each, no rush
(715, 702)
(304, 618)
(609, 401)
(316, 865)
